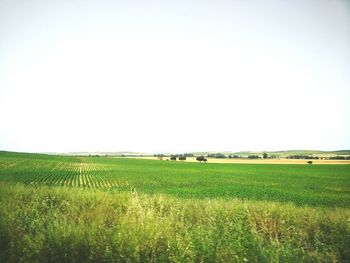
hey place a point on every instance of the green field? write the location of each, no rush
(98, 209)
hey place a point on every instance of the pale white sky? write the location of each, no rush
(178, 76)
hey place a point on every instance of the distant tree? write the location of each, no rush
(173, 158)
(301, 157)
(182, 158)
(265, 156)
(253, 157)
(216, 155)
(309, 162)
(201, 159)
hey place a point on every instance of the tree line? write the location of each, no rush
(203, 158)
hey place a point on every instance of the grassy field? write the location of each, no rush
(96, 209)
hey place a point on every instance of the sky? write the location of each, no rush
(174, 76)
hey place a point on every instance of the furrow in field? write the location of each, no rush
(96, 180)
(91, 179)
(102, 180)
(83, 180)
(87, 181)
(65, 175)
(82, 176)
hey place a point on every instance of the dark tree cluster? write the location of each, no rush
(201, 159)
(181, 157)
(306, 157)
(253, 157)
(234, 156)
(217, 155)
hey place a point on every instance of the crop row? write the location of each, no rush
(74, 175)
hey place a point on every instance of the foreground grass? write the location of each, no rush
(72, 225)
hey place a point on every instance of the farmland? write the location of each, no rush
(73, 209)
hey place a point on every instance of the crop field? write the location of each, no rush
(61, 171)
(319, 185)
(100, 209)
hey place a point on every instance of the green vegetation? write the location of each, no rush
(316, 185)
(86, 209)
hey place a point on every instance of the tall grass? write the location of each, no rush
(71, 225)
